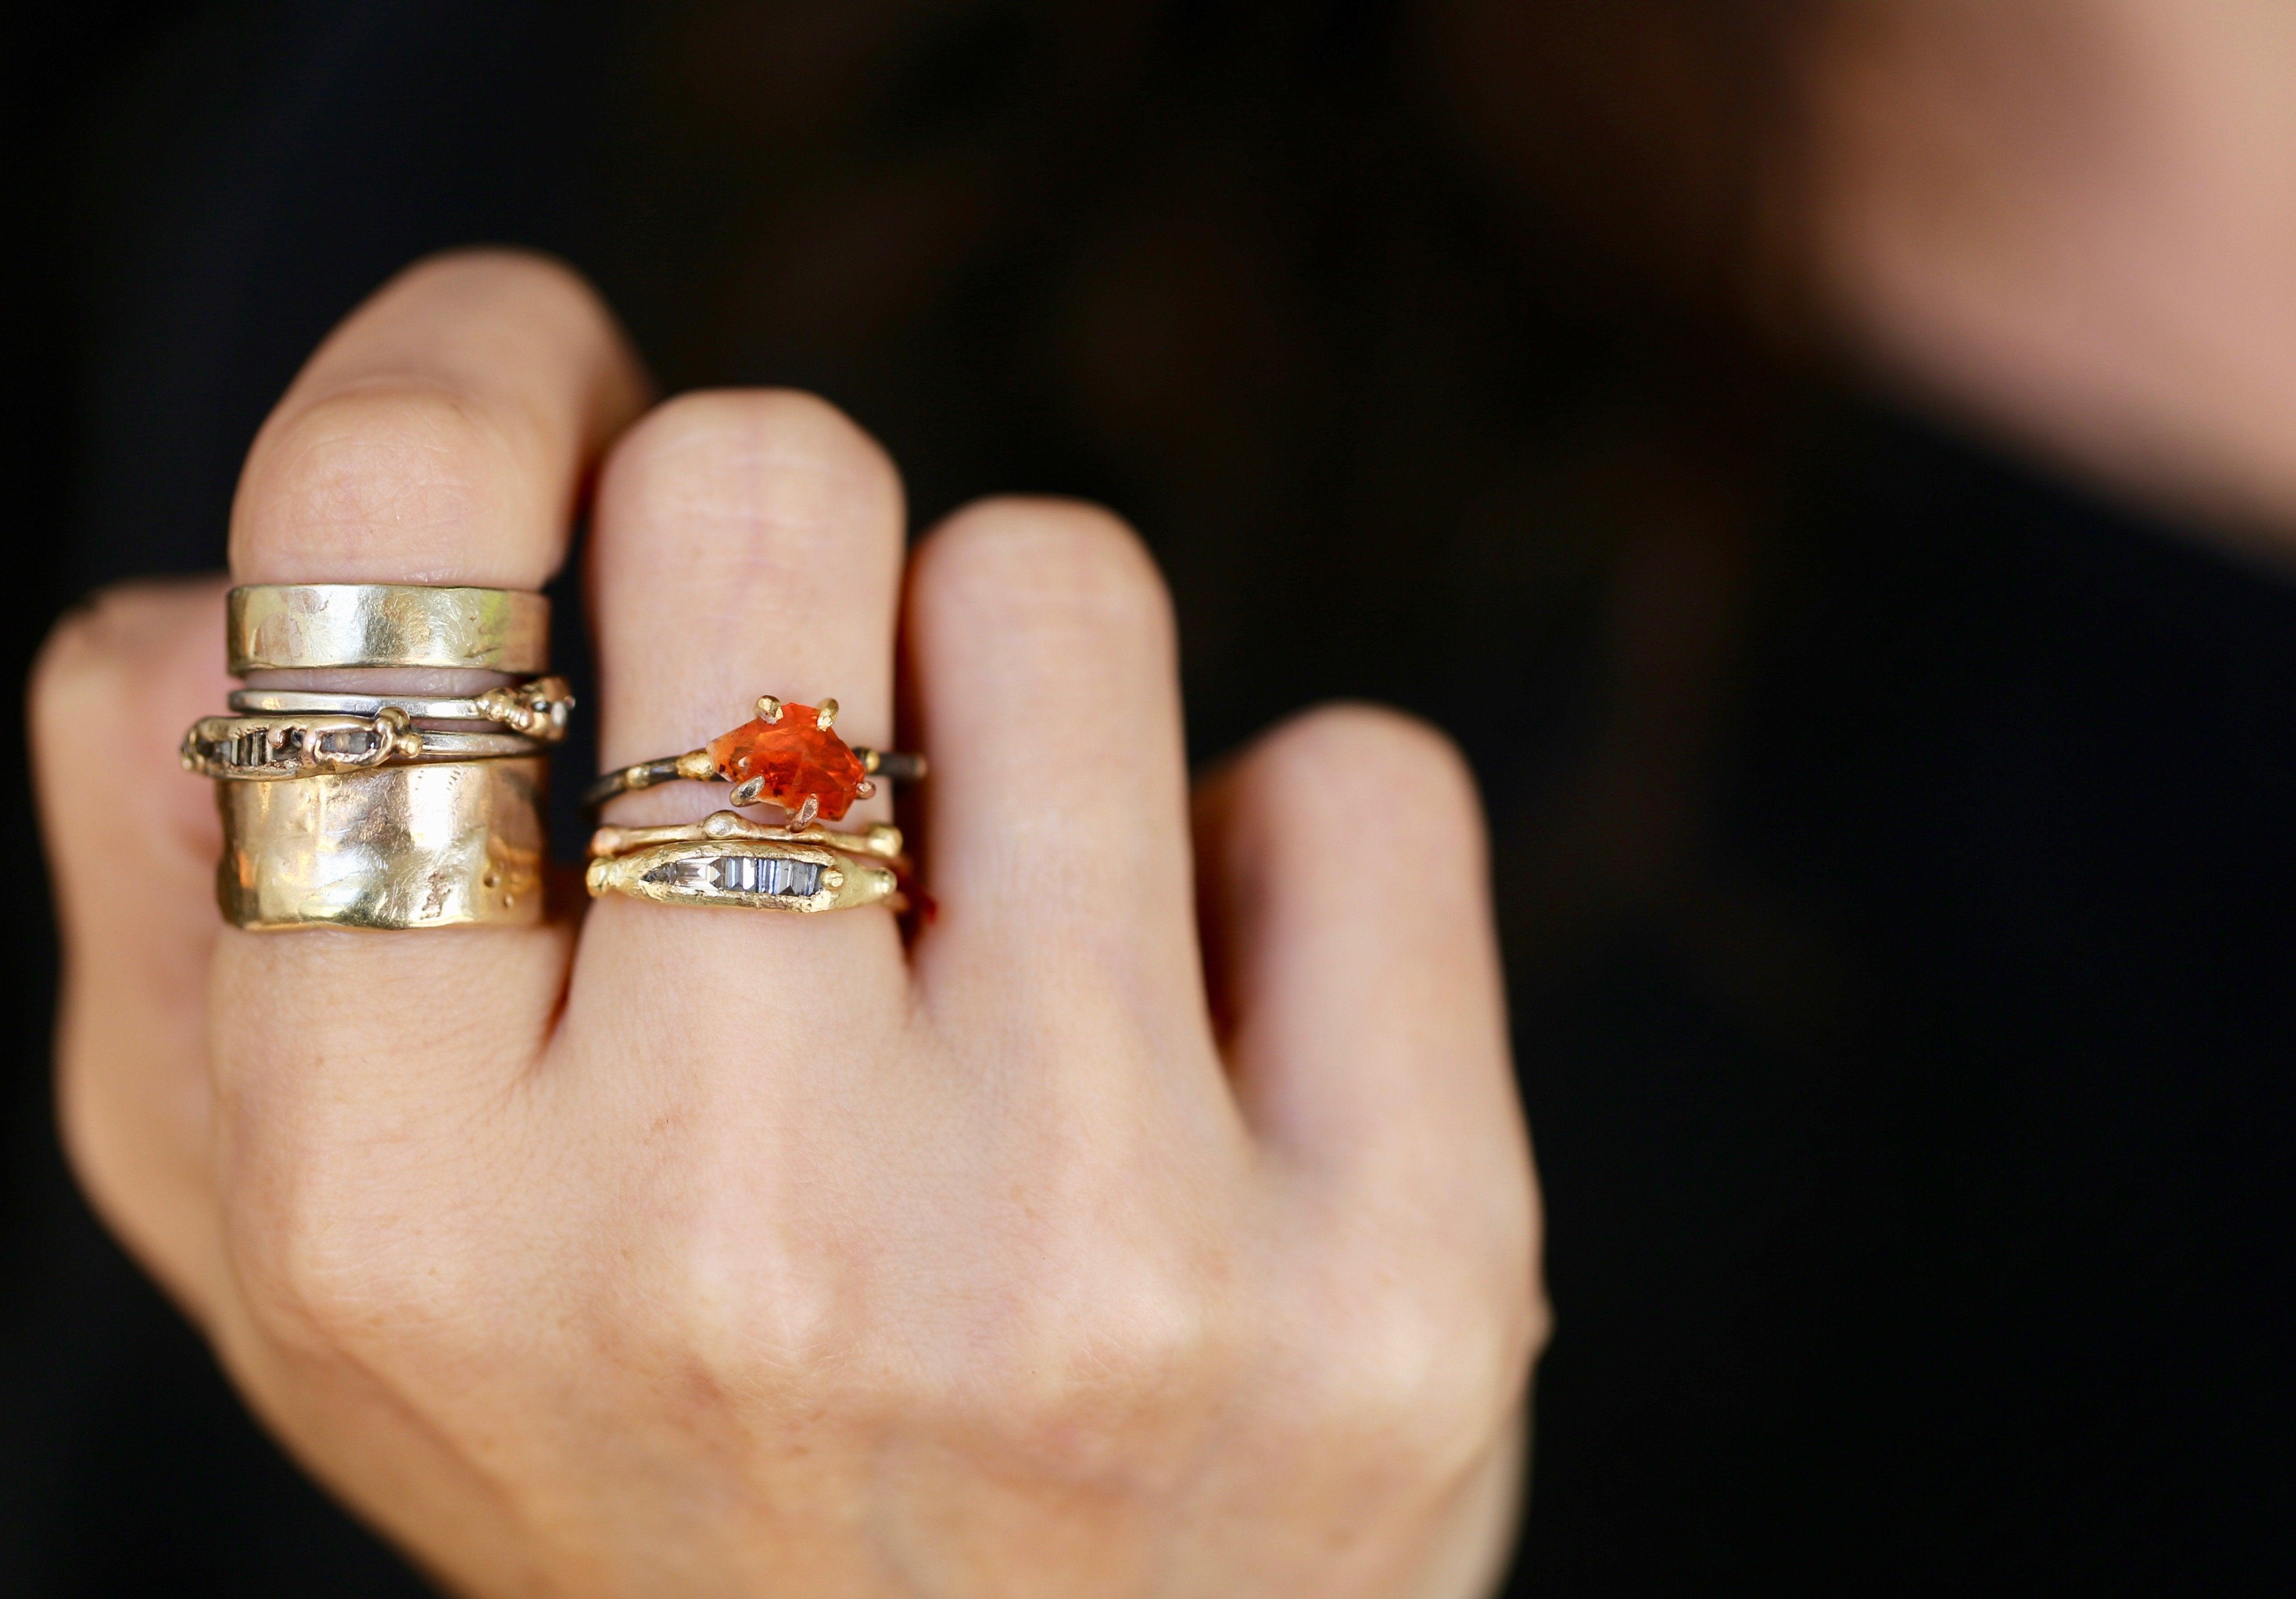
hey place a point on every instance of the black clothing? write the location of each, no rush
(1979, 1274)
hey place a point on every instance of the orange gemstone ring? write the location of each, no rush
(788, 756)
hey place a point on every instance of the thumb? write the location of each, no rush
(132, 842)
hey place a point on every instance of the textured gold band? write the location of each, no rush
(754, 874)
(883, 839)
(270, 748)
(400, 847)
(278, 626)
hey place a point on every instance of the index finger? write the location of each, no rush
(442, 435)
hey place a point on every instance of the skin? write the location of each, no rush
(2073, 222)
(709, 1251)
(718, 1252)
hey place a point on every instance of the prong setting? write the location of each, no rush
(793, 758)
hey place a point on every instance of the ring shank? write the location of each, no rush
(895, 766)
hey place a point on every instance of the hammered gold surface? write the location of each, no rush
(400, 847)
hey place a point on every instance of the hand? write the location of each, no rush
(714, 1251)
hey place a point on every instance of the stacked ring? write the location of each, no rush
(287, 627)
(788, 756)
(270, 748)
(338, 809)
(727, 859)
(402, 847)
(391, 810)
(539, 708)
(791, 757)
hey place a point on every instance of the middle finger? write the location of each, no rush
(745, 543)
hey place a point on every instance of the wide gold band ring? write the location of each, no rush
(401, 847)
(283, 626)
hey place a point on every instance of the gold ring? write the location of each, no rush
(882, 840)
(276, 627)
(759, 874)
(402, 847)
(539, 708)
(727, 859)
(275, 749)
(788, 756)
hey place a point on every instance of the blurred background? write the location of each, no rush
(1827, 463)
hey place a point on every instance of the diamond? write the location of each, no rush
(741, 874)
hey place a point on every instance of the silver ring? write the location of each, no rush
(753, 874)
(539, 708)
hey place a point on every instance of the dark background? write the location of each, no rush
(1894, 845)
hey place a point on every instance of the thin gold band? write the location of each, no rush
(278, 626)
(539, 708)
(881, 840)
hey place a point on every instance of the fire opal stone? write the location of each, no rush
(795, 758)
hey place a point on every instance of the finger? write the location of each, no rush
(1367, 1037)
(131, 849)
(441, 435)
(745, 543)
(1357, 961)
(1057, 812)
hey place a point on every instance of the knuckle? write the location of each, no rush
(309, 1284)
(124, 672)
(1296, 799)
(738, 1320)
(76, 675)
(542, 285)
(1097, 1369)
(1045, 565)
(328, 1254)
(93, 649)
(775, 460)
(1344, 759)
(388, 478)
(1427, 1380)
